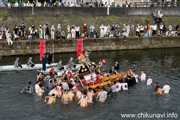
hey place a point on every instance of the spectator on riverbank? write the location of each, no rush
(77, 29)
(9, 38)
(52, 32)
(73, 32)
(47, 32)
(91, 31)
(137, 30)
(40, 32)
(105, 31)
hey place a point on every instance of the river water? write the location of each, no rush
(162, 64)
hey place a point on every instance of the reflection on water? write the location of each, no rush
(162, 64)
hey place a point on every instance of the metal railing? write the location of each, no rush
(156, 4)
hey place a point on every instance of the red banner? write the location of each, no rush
(79, 47)
(41, 49)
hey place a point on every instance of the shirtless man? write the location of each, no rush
(78, 94)
(83, 101)
(65, 98)
(71, 95)
(55, 91)
(159, 91)
(90, 95)
(52, 99)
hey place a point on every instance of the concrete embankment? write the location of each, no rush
(84, 11)
(28, 47)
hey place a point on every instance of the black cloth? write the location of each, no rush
(116, 66)
(50, 56)
(109, 90)
(77, 34)
(15, 30)
(52, 75)
(70, 86)
(47, 31)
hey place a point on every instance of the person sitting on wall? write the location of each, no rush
(86, 35)
(63, 34)
(30, 37)
(16, 37)
(96, 34)
(117, 35)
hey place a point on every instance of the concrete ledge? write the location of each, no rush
(28, 47)
(70, 11)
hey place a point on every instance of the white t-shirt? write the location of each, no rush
(113, 88)
(155, 27)
(65, 86)
(143, 77)
(77, 29)
(160, 15)
(137, 29)
(36, 88)
(118, 87)
(161, 27)
(166, 88)
(149, 81)
(136, 77)
(102, 96)
(125, 86)
(60, 73)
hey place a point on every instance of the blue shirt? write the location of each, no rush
(44, 60)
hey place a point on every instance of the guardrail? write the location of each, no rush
(156, 4)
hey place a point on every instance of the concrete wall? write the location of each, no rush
(27, 47)
(63, 11)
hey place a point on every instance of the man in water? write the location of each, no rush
(54, 91)
(166, 88)
(102, 95)
(71, 94)
(44, 58)
(149, 81)
(65, 98)
(50, 57)
(159, 91)
(113, 87)
(124, 85)
(143, 76)
(28, 89)
(118, 85)
(156, 86)
(133, 68)
(17, 64)
(116, 66)
(83, 101)
(59, 65)
(37, 86)
(71, 63)
(52, 99)
(30, 63)
(90, 95)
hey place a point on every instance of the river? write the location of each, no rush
(162, 64)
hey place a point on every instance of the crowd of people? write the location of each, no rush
(58, 3)
(74, 32)
(66, 85)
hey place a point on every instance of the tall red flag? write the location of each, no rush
(41, 49)
(79, 47)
